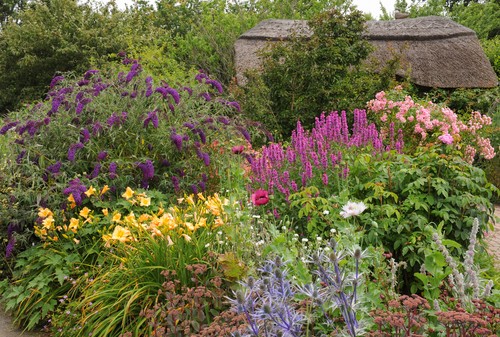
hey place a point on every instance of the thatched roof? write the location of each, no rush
(435, 51)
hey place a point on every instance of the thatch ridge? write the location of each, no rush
(437, 52)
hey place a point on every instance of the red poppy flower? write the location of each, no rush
(238, 149)
(260, 197)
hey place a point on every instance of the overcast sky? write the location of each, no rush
(367, 6)
(373, 6)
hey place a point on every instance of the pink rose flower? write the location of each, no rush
(446, 138)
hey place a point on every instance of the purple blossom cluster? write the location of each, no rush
(77, 189)
(314, 156)
(148, 172)
(72, 150)
(151, 118)
(116, 119)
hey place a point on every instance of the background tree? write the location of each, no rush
(10, 7)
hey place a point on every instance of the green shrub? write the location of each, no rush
(322, 73)
(125, 130)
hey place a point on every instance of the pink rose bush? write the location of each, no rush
(426, 122)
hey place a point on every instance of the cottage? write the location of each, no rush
(434, 51)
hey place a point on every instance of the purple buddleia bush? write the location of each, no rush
(120, 130)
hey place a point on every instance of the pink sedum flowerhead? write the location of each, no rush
(446, 138)
(260, 197)
(352, 209)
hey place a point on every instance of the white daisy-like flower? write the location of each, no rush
(352, 209)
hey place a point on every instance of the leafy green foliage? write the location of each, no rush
(323, 73)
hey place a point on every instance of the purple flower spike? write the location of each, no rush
(20, 157)
(153, 118)
(200, 76)
(216, 85)
(55, 168)
(206, 159)
(245, 133)
(89, 73)
(55, 81)
(223, 120)
(177, 140)
(95, 171)
(148, 170)
(189, 90)
(10, 247)
(102, 155)
(96, 128)
(7, 127)
(175, 182)
(206, 96)
(112, 170)
(77, 189)
(72, 151)
(85, 135)
(235, 105)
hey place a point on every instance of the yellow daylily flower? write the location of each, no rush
(72, 202)
(201, 223)
(144, 201)
(73, 225)
(90, 191)
(189, 226)
(200, 195)
(85, 212)
(48, 222)
(116, 217)
(121, 234)
(104, 189)
(76, 240)
(44, 212)
(129, 193)
(190, 200)
(105, 212)
(144, 218)
(218, 222)
(186, 237)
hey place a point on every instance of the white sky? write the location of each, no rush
(367, 6)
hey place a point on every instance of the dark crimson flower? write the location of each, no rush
(260, 197)
(238, 149)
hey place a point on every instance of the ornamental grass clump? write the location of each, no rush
(120, 130)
